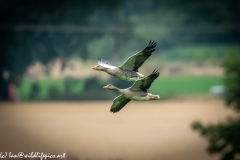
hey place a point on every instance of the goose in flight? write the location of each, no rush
(129, 69)
(137, 92)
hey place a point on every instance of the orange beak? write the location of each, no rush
(95, 67)
(106, 87)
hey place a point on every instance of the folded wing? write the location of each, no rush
(145, 83)
(135, 61)
(118, 103)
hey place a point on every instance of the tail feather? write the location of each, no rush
(140, 75)
(154, 97)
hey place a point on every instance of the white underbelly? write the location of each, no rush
(128, 78)
(137, 98)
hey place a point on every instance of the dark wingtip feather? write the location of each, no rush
(152, 43)
(155, 73)
(150, 47)
(113, 110)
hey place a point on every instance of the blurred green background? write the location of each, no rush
(49, 47)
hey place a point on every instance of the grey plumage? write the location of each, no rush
(129, 69)
(137, 92)
(136, 61)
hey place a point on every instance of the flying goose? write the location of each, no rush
(129, 69)
(137, 92)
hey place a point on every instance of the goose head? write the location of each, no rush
(98, 67)
(110, 86)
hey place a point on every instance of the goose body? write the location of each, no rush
(124, 74)
(129, 69)
(137, 92)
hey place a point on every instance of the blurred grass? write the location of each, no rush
(166, 87)
(42, 88)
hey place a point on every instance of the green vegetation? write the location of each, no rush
(41, 89)
(231, 66)
(184, 85)
(224, 138)
(49, 89)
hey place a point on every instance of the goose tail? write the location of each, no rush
(153, 97)
(140, 75)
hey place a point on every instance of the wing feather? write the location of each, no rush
(118, 103)
(105, 64)
(136, 61)
(145, 83)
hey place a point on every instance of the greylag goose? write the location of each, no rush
(129, 69)
(137, 92)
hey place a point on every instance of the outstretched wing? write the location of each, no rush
(145, 83)
(135, 61)
(105, 64)
(118, 103)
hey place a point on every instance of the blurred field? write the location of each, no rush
(167, 87)
(184, 85)
(87, 130)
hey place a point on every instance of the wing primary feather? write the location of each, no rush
(145, 83)
(136, 61)
(118, 103)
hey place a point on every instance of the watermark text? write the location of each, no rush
(40, 155)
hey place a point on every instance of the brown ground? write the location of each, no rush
(141, 131)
